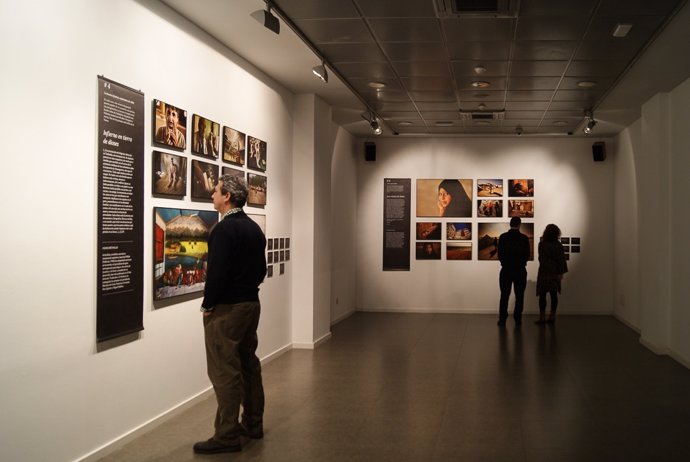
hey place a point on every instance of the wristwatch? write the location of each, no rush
(204, 310)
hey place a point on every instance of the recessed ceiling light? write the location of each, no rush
(586, 84)
(481, 106)
(405, 122)
(479, 69)
(444, 123)
(480, 84)
(377, 85)
(560, 122)
(621, 30)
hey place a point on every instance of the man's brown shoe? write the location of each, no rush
(212, 446)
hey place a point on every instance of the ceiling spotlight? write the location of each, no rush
(479, 69)
(376, 85)
(590, 123)
(480, 84)
(481, 106)
(586, 84)
(321, 72)
(266, 19)
(621, 30)
(373, 122)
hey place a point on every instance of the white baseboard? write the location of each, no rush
(654, 348)
(311, 345)
(136, 432)
(676, 357)
(426, 310)
(342, 317)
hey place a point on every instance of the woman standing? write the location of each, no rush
(552, 267)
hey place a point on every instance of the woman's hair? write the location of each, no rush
(460, 204)
(237, 188)
(551, 233)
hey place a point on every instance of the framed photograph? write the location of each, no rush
(180, 250)
(205, 137)
(565, 240)
(204, 179)
(429, 231)
(282, 255)
(520, 188)
(444, 198)
(282, 268)
(169, 125)
(233, 172)
(523, 208)
(282, 243)
(287, 255)
(257, 189)
(269, 258)
(287, 242)
(489, 188)
(489, 208)
(256, 160)
(575, 249)
(269, 244)
(576, 240)
(490, 233)
(169, 175)
(260, 220)
(459, 231)
(487, 241)
(459, 251)
(269, 271)
(234, 146)
(428, 250)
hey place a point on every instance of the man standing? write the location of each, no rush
(231, 309)
(513, 252)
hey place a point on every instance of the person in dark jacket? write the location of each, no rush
(231, 309)
(513, 252)
(552, 267)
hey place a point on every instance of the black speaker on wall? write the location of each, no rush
(599, 151)
(370, 151)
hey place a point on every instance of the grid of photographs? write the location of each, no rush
(277, 253)
(176, 175)
(473, 214)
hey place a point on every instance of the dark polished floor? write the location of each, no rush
(447, 387)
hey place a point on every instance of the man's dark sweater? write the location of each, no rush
(236, 261)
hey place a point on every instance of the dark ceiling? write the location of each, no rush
(546, 62)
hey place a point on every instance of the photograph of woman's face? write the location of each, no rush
(444, 198)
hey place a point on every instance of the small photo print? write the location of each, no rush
(233, 172)
(282, 255)
(169, 125)
(575, 249)
(521, 208)
(257, 189)
(269, 244)
(428, 250)
(282, 268)
(269, 271)
(282, 243)
(256, 160)
(169, 174)
(521, 188)
(429, 231)
(204, 179)
(269, 258)
(565, 240)
(205, 137)
(490, 188)
(459, 231)
(287, 242)
(459, 251)
(489, 208)
(287, 255)
(576, 240)
(234, 146)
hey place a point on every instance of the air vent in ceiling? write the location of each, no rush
(483, 115)
(476, 8)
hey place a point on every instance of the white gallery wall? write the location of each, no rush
(652, 164)
(571, 190)
(60, 398)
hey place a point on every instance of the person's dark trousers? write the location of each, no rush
(234, 369)
(554, 302)
(515, 278)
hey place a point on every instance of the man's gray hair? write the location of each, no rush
(237, 188)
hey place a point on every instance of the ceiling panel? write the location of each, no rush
(535, 63)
